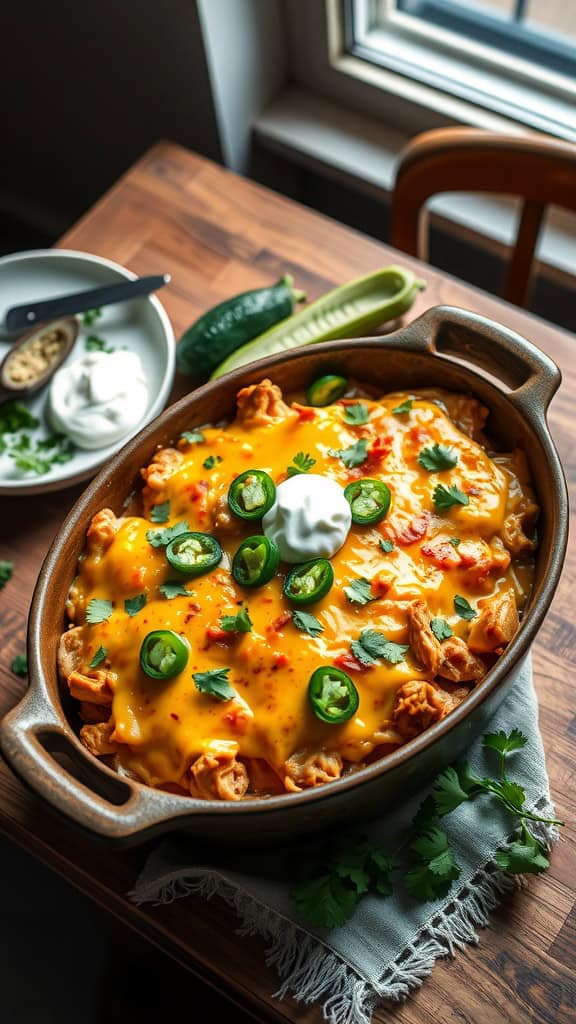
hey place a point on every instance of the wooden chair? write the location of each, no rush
(539, 170)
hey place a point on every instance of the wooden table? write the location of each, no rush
(217, 235)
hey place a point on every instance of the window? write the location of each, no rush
(516, 58)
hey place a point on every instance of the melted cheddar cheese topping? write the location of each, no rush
(158, 730)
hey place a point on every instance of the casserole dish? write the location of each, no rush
(39, 736)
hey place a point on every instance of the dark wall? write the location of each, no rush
(85, 87)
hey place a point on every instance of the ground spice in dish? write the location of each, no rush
(30, 362)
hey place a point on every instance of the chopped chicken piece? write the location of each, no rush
(262, 403)
(418, 704)
(165, 462)
(97, 738)
(95, 689)
(102, 530)
(71, 651)
(458, 663)
(218, 777)
(514, 532)
(496, 624)
(303, 769)
(426, 647)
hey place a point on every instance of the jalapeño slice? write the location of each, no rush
(193, 554)
(369, 500)
(309, 581)
(326, 390)
(163, 654)
(251, 494)
(332, 694)
(255, 561)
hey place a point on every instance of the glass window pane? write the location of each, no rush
(557, 16)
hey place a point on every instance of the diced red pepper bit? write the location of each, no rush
(349, 663)
(138, 577)
(380, 447)
(236, 718)
(214, 634)
(281, 660)
(442, 553)
(381, 584)
(280, 622)
(305, 412)
(418, 434)
(197, 490)
(415, 530)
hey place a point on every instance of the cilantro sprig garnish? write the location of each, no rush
(14, 416)
(301, 463)
(308, 623)
(329, 890)
(160, 513)
(132, 605)
(193, 437)
(438, 457)
(353, 456)
(464, 609)
(404, 407)
(19, 665)
(98, 610)
(386, 545)
(445, 497)
(359, 591)
(239, 623)
(356, 415)
(173, 588)
(98, 658)
(90, 316)
(95, 344)
(212, 461)
(372, 646)
(160, 538)
(39, 456)
(6, 570)
(214, 683)
(442, 630)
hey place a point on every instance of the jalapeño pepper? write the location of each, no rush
(255, 561)
(193, 554)
(326, 390)
(369, 500)
(163, 654)
(251, 494)
(309, 582)
(332, 694)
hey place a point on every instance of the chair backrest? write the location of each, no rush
(539, 170)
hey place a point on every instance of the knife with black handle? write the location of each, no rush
(22, 317)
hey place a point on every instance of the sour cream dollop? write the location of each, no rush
(310, 518)
(99, 398)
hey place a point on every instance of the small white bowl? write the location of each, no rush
(140, 325)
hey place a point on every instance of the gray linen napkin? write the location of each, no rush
(390, 945)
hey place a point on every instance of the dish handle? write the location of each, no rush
(532, 377)
(58, 767)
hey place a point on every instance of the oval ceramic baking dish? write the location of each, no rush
(39, 737)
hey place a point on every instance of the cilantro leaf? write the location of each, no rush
(351, 865)
(434, 866)
(445, 497)
(301, 463)
(325, 901)
(132, 605)
(504, 743)
(90, 316)
(193, 436)
(356, 415)
(160, 513)
(98, 658)
(239, 623)
(386, 546)
(454, 541)
(524, 856)
(173, 588)
(438, 457)
(404, 407)
(95, 344)
(214, 683)
(6, 570)
(19, 665)
(42, 455)
(425, 815)
(463, 608)
(160, 538)
(212, 461)
(449, 791)
(353, 456)
(359, 591)
(442, 630)
(307, 623)
(15, 416)
(98, 610)
(373, 645)
(510, 793)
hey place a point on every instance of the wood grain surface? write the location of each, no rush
(218, 234)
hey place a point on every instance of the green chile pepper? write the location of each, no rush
(193, 554)
(251, 494)
(309, 581)
(255, 561)
(326, 390)
(332, 694)
(369, 500)
(164, 654)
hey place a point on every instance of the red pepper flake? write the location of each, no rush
(280, 622)
(174, 716)
(138, 577)
(305, 412)
(197, 490)
(349, 663)
(418, 434)
(280, 660)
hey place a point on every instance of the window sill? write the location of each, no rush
(362, 152)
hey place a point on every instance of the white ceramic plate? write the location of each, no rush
(140, 325)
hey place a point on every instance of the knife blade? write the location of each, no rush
(20, 317)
